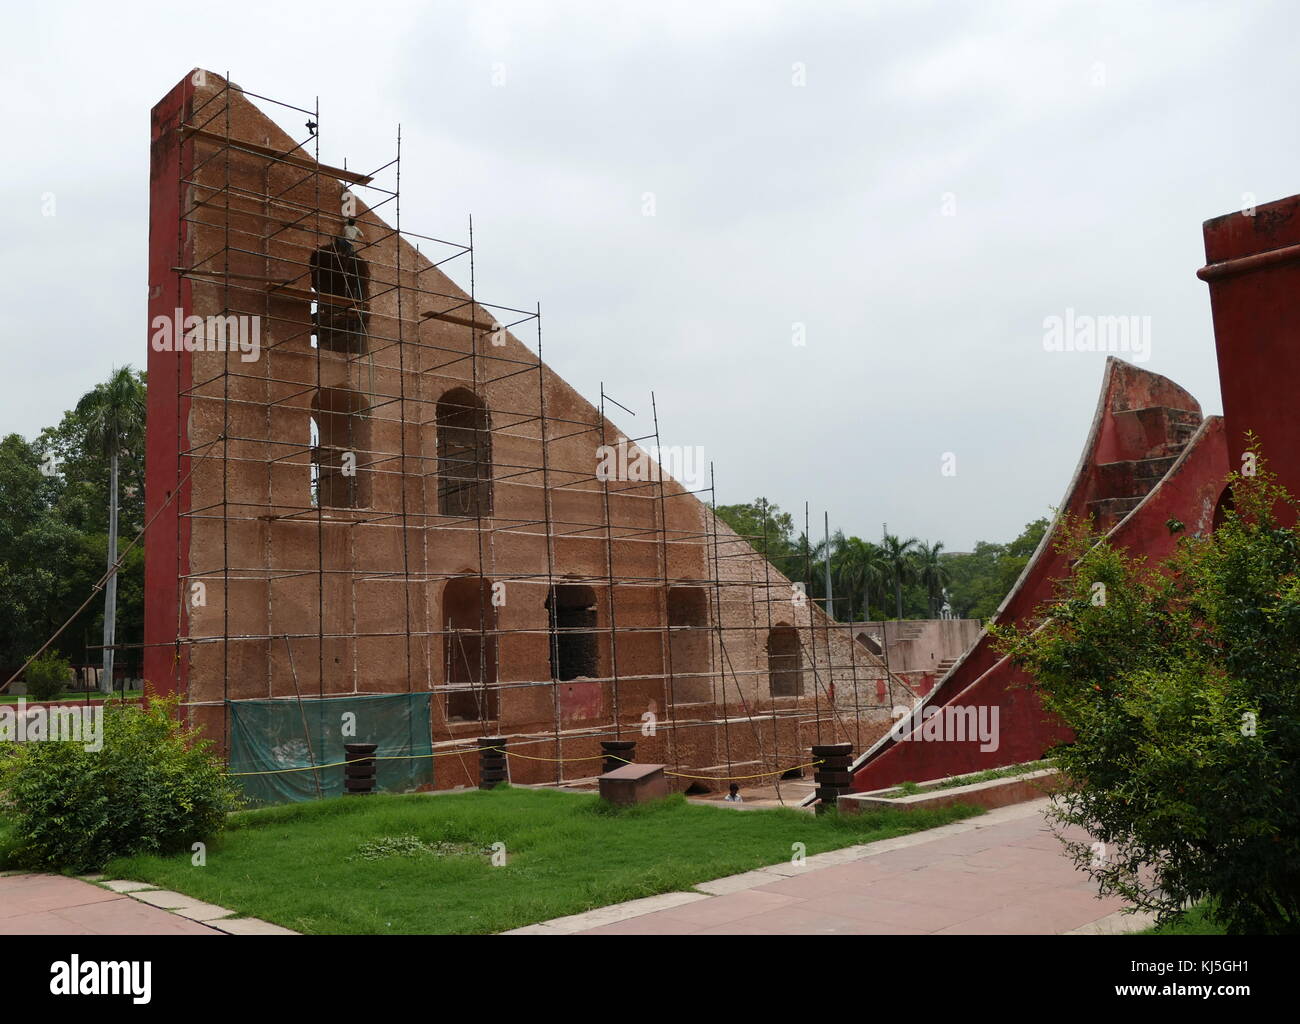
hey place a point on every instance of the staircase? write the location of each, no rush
(1162, 434)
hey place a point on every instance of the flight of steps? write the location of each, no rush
(943, 668)
(1164, 433)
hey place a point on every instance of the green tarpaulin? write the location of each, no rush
(272, 735)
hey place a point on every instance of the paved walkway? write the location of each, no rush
(58, 905)
(34, 904)
(1002, 873)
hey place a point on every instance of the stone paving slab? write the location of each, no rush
(197, 911)
(165, 898)
(123, 885)
(1001, 873)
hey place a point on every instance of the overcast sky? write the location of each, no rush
(919, 185)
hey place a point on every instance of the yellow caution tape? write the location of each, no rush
(527, 757)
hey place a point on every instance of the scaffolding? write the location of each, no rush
(430, 419)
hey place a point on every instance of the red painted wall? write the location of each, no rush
(167, 413)
(1253, 270)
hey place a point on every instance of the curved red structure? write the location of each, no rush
(1149, 458)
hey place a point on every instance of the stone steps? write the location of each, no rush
(1162, 433)
(1112, 510)
(1133, 478)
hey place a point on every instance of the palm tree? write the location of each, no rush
(897, 556)
(932, 574)
(860, 567)
(114, 417)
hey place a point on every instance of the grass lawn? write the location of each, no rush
(302, 865)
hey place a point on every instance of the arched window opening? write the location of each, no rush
(470, 650)
(341, 280)
(464, 455)
(340, 441)
(689, 644)
(688, 606)
(572, 611)
(1226, 503)
(784, 662)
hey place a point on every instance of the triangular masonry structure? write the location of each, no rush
(361, 481)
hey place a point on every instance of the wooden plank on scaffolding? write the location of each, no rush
(257, 149)
(461, 321)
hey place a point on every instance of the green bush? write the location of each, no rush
(1182, 689)
(153, 788)
(47, 676)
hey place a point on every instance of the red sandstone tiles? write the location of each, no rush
(1052, 913)
(908, 859)
(961, 863)
(10, 882)
(732, 907)
(1008, 878)
(1015, 858)
(892, 915)
(39, 924)
(56, 905)
(985, 838)
(796, 920)
(823, 881)
(959, 894)
(1044, 841)
(125, 916)
(21, 895)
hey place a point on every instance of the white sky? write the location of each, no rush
(1083, 145)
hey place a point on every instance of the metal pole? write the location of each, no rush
(830, 607)
(110, 592)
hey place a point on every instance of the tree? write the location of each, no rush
(974, 588)
(1182, 690)
(819, 566)
(932, 574)
(859, 567)
(769, 531)
(897, 556)
(47, 564)
(113, 414)
(1018, 553)
(979, 580)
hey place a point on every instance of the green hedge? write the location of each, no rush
(154, 787)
